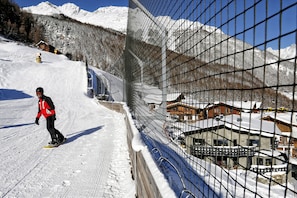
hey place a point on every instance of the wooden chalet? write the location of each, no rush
(47, 47)
(154, 100)
(287, 123)
(187, 112)
(232, 107)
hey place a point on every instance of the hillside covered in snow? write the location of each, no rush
(94, 162)
(107, 54)
(108, 17)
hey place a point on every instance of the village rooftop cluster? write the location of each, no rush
(233, 134)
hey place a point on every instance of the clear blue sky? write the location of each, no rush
(89, 5)
(243, 19)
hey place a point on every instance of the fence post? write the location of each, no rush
(164, 78)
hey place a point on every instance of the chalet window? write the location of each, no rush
(220, 142)
(228, 110)
(281, 140)
(254, 143)
(189, 117)
(217, 110)
(198, 141)
(234, 142)
(260, 161)
(268, 162)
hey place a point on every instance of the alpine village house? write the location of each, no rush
(234, 135)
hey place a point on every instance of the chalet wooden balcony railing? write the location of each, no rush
(264, 169)
(227, 151)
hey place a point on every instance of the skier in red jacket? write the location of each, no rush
(46, 108)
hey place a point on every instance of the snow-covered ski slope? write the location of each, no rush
(93, 163)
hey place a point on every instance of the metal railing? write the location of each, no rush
(222, 151)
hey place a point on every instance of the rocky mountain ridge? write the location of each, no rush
(111, 17)
(206, 35)
(103, 47)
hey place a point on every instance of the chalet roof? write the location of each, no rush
(246, 106)
(283, 117)
(41, 42)
(195, 103)
(173, 96)
(180, 104)
(236, 122)
(157, 98)
(188, 105)
(286, 118)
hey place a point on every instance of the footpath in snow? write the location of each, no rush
(94, 162)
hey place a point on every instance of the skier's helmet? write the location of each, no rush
(39, 89)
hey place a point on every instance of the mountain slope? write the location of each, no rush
(88, 165)
(108, 17)
(286, 53)
(103, 48)
(198, 37)
(95, 45)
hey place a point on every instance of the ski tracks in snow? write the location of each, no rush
(94, 162)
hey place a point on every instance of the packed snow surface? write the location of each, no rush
(94, 162)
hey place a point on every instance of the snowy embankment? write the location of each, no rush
(93, 163)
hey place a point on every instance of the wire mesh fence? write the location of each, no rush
(212, 87)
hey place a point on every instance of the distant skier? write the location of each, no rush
(47, 109)
(38, 58)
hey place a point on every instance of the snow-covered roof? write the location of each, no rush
(188, 105)
(285, 117)
(173, 96)
(157, 98)
(41, 42)
(237, 122)
(246, 106)
(195, 103)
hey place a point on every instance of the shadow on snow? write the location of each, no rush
(182, 178)
(72, 137)
(12, 94)
(16, 125)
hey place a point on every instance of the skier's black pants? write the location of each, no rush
(50, 125)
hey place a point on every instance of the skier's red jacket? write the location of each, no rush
(46, 107)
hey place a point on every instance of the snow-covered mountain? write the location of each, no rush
(114, 17)
(192, 39)
(211, 45)
(111, 17)
(286, 53)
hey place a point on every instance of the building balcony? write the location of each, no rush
(265, 169)
(227, 151)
